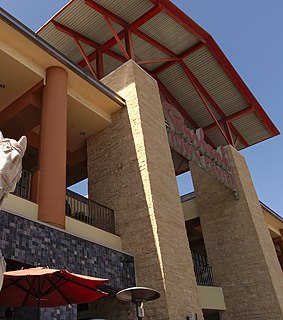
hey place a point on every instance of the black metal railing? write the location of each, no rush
(204, 276)
(23, 186)
(203, 270)
(77, 206)
(85, 210)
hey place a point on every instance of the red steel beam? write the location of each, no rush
(168, 95)
(99, 65)
(239, 83)
(180, 17)
(155, 43)
(228, 130)
(129, 44)
(132, 26)
(241, 138)
(116, 37)
(236, 142)
(75, 34)
(85, 57)
(171, 99)
(232, 117)
(86, 40)
(183, 55)
(97, 7)
(216, 107)
(196, 83)
(156, 60)
(181, 164)
(172, 11)
(200, 90)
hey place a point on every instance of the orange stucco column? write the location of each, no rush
(53, 146)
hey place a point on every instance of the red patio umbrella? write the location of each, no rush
(44, 287)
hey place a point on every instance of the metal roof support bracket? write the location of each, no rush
(198, 90)
(85, 57)
(118, 40)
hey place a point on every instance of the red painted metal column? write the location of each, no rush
(53, 147)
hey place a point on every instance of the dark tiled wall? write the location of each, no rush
(35, 243)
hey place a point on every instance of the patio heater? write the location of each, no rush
(138, 295)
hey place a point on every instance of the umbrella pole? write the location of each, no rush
(38, 309)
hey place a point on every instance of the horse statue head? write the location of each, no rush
(11, 154)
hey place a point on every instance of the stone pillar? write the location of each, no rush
(53, 148)
(239, 245)
(130, 169)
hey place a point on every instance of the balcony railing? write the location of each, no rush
(203, 271)
(77, 206)
(23, 186)
(204, 276)
(90, 212)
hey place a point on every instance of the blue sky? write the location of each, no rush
(250, 33)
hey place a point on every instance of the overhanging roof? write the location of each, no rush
(192, 72)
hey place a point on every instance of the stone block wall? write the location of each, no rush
(130, 169)
(36, 243)
(238, 244)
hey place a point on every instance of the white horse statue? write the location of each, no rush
(11, 154)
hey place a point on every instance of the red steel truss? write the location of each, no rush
(123, 38)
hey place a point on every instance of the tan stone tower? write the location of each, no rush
(131, 170)
(238, 244)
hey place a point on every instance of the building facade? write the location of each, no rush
(130, 107)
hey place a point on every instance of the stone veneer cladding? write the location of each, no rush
(239, 245)
(36, 243)
(130, 169)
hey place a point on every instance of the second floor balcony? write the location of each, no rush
(203, 271)
(78, 207)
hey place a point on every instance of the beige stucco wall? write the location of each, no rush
(190, 209)
(94, 234)
(211, 298)
(20, 206)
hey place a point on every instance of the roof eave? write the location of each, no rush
(21, 28)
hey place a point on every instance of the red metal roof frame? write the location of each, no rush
(224, 125)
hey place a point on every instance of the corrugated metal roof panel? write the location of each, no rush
(87, 22)
(215, 81)
(216, 137)
(166, 28)
(251, 128)
(127, 10)
(117, 48)
(110, 64)
(145, 51)
(169, 33)
(62, 42)
(175, 79)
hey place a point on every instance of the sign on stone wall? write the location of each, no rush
(192, 146)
